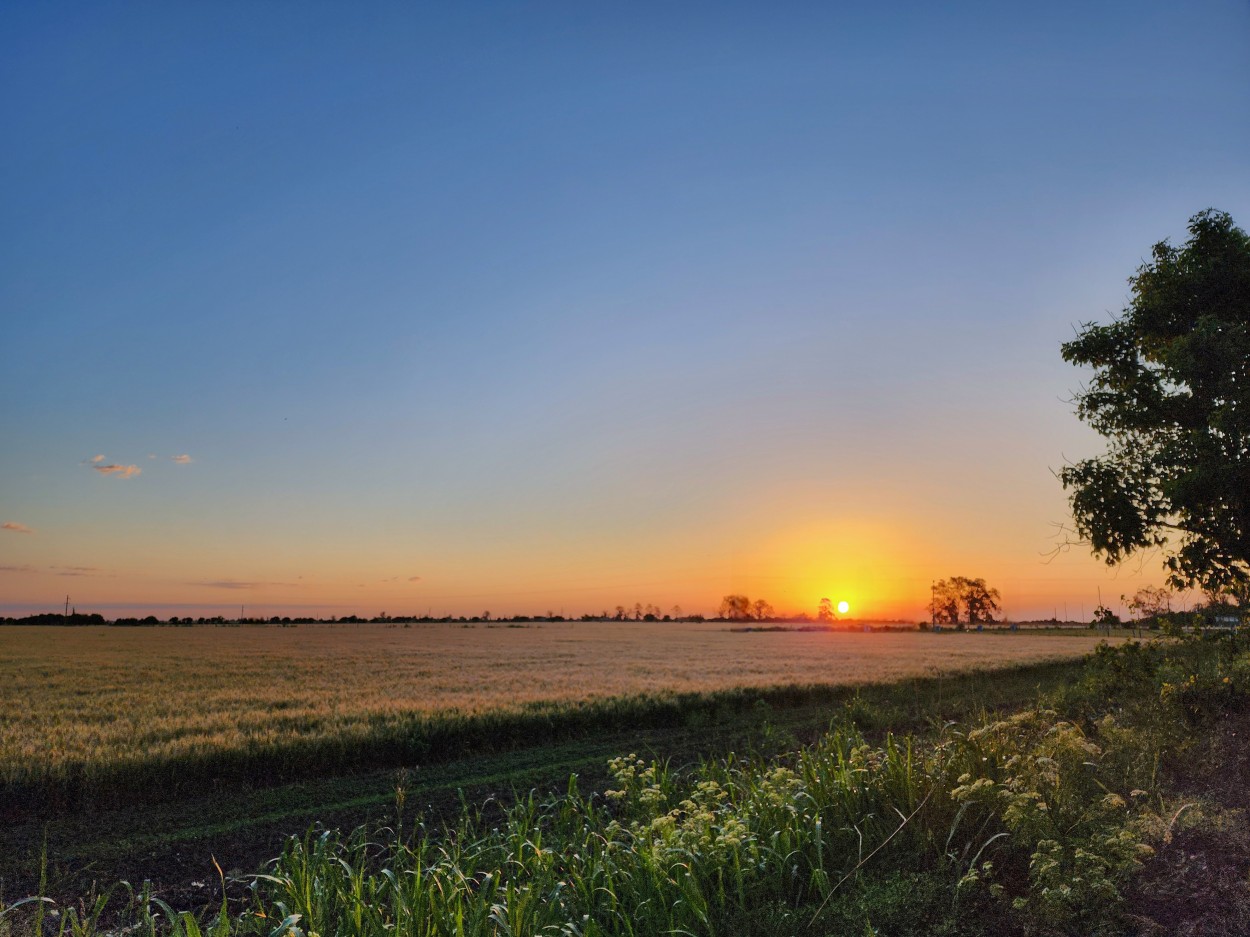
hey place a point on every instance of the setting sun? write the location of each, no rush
(844, 607)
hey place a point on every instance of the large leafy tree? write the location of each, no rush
(1171, 394)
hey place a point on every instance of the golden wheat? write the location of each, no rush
(75, 697)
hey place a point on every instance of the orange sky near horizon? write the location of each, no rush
(882, 568)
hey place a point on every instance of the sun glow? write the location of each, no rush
(843, 607)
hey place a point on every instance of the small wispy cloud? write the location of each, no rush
(16, 527)
(120, 471)
(97, 458)
(17, 569)
(237, 584)
(183, 459)
(414, 578)
(74, 570)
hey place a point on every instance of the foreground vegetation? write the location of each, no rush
(1036, 822)
(102, 716)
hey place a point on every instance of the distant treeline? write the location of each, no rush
(56, 618)
(733, 608)
(81, 618)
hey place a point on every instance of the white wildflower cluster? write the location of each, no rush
(1046, 792)
(715, 819)
(638, 781)
(781, 787)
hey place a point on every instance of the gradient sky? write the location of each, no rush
(524, 307)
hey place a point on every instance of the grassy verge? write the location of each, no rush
(1037, 821)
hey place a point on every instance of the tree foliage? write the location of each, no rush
(962, 599)
(1171, 395)
(1105, 617)
(1150, 602)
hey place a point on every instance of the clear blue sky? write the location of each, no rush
(528, 306)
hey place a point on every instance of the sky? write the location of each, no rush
(442, 308)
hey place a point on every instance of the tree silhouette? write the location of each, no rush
(960, 598)
(735, 607)
(944, 603)
(1150, 602)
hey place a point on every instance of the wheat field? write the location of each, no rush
(77, 703)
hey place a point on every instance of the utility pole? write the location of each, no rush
(65, 617)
